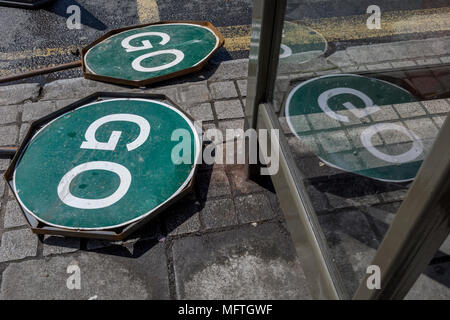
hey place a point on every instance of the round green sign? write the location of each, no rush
(151, 51)
(300, 43)
(350, 123)
(107, 164)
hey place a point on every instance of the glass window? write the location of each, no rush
(361, 93)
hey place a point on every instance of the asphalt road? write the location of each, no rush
(32, 39)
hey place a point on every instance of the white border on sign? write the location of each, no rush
(181, 188)
(291, 127)
(165, 24)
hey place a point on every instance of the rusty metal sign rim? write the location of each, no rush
(116, 234)
(142, 83)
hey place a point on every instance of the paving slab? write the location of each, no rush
(103, 275)
(4, 163)
(246, 263)
(253, 208)
(183, 217)
(242, 85)
(18, 244)
(228, 109)
(24, 127)
(240, 183)
(231, 124)
(8, 114)
(233, 69)
(8, 135)
(78, 88)
(212, 184)
(433, 284)
(193, 94)
(34, 111)
(223, 90)
(13, 215)
(2, 189)
(352, 244)
(219, 213)
(202, 112)
(340, 59)
(59, 245)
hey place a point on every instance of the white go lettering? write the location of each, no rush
(145, 43)
(415, 150)
(136, 64)
(359, 113)
(287, 52)
(91, 142)
(69, 199)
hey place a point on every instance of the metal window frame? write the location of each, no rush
(421, 224)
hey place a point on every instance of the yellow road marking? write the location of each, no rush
(392, 23)
(237, 38)
(27, 54)
(352, 27)
(147, 11)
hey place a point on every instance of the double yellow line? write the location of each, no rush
(355, 27)
(392, 23)
(237, 38)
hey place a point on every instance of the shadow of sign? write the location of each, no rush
(87, 19)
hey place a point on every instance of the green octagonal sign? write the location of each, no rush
(106, 164)
(145, 54)
(352, 122)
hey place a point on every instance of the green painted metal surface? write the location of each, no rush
(152, 51)
(106, 164)
(342, 119)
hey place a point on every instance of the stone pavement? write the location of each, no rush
(226, 240)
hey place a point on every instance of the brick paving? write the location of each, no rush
(228, 238)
